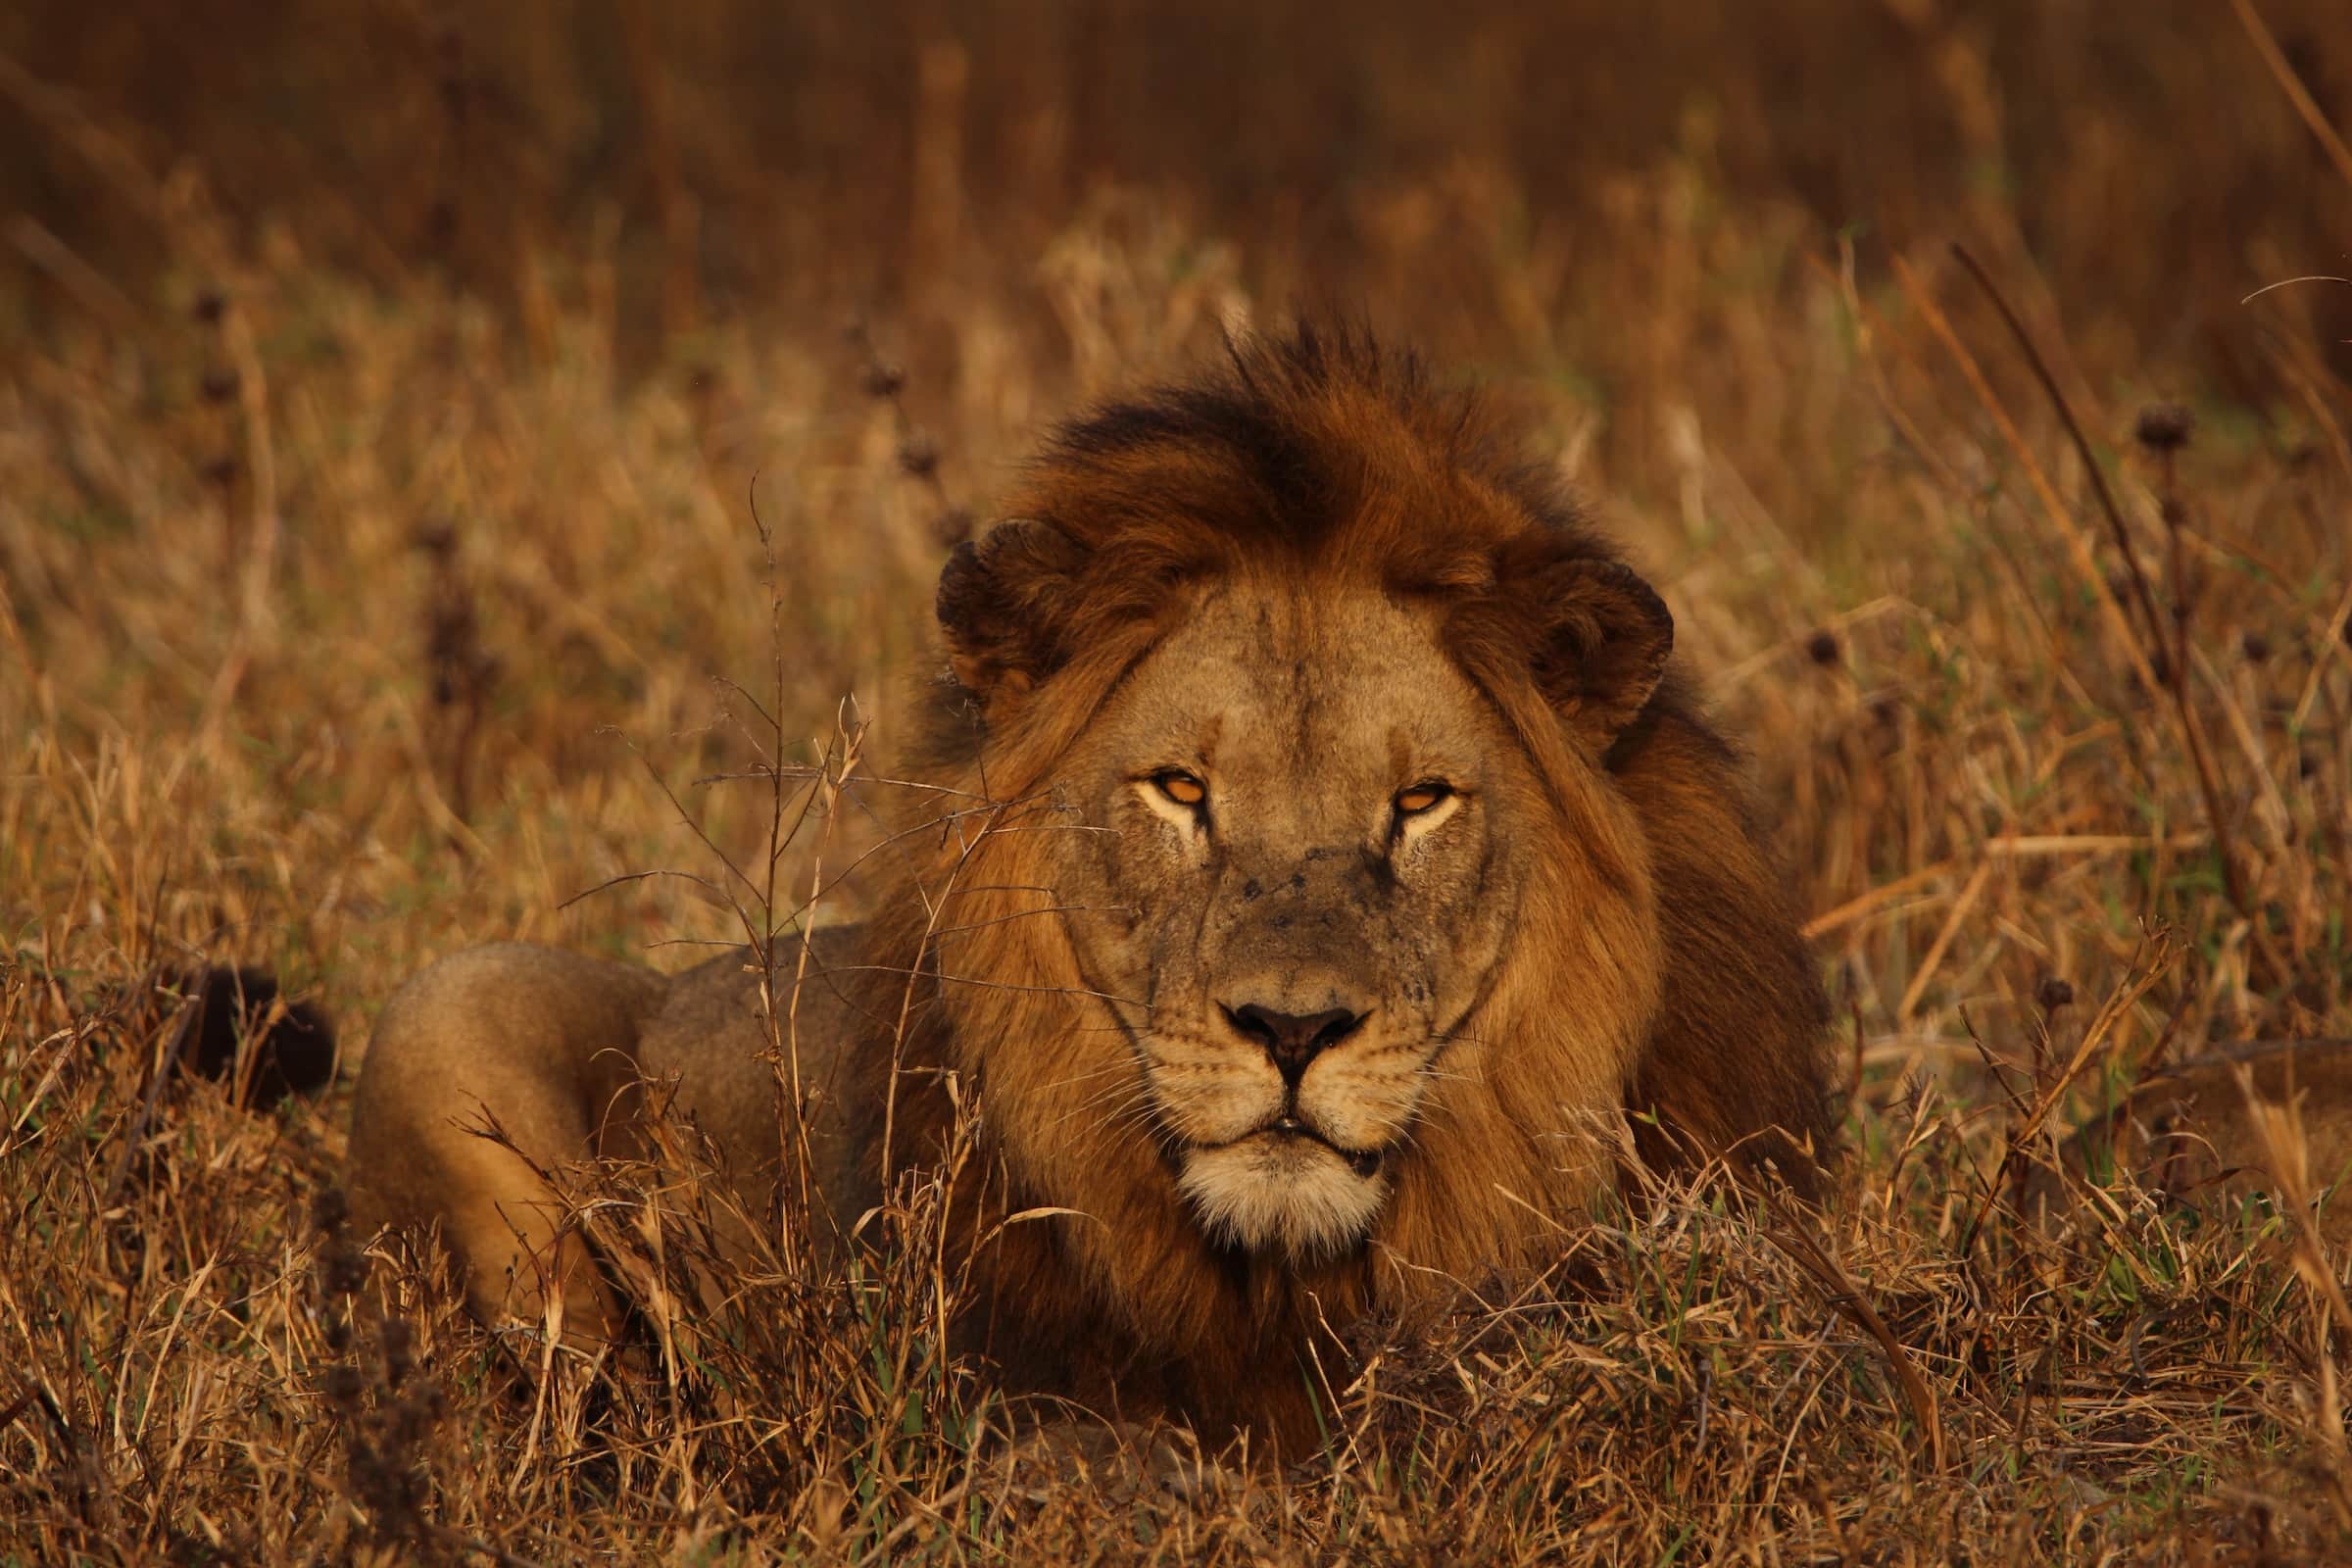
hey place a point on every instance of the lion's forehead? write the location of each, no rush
(1273, 685)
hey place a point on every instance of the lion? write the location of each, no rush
(1339, 889)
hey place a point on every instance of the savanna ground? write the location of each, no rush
(386, 400)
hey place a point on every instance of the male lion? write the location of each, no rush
(1336, 860)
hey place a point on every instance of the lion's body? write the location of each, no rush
(1329, 860)
(554, 1045)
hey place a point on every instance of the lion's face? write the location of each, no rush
(1356, 934)
(1294, 878)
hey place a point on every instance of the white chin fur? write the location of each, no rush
(1286, 1195)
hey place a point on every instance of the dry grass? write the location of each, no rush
(354, 608)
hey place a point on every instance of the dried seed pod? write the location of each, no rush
(2163, 426)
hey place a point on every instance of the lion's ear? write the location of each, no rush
(1004, 603)
(1605, 647)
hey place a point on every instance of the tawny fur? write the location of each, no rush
(1307, 520)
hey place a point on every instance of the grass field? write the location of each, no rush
(433, 451)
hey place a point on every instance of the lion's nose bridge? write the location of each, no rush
(1289, 885)
(1300, 926)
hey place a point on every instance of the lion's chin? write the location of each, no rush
(1279, 1193)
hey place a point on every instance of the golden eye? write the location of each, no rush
(1181, 787)
(1423, 797)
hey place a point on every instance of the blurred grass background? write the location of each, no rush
(750, 159)
(386, 392)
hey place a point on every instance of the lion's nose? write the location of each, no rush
(1293, 1040)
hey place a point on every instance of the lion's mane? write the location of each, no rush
(1321, 453)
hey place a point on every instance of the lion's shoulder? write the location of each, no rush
(762, 1060)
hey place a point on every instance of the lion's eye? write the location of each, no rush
(1423, 797)
(1180, 787)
